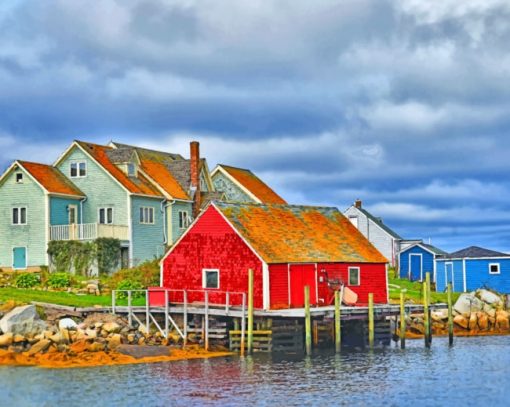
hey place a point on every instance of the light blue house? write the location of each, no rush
(417, 260)
(473, 268)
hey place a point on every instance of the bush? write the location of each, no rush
(59, 280)
(130, 285)
(27, 280)
(147, 274)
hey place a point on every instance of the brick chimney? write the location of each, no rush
(194, 155)
(358, 203)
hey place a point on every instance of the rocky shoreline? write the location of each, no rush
(100, 339)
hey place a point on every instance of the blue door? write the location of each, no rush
(415, 267)
(19, 258)
(449, 274)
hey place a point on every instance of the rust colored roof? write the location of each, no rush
(159, 173)
(300, 234)
(254, 184)
(51, 179)
(136, 185)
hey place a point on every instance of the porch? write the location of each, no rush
(88, 231)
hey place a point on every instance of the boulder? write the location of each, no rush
(502, 320)
(461, 321)
(489, 297)
(91, 333)
(56, 338)
(67, 323)
(473, 321)
(95, 347)
(439, 315)
(111, 327)
(64, 333)
(22, 320)
(468, 303)
(6, 339)
(40, 346)
(115, 341)
(483, 321)
(19, 338)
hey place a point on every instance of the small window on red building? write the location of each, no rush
(354, 276)
(211, 278)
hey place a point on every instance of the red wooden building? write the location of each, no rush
(287, 246)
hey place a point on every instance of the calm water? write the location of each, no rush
(476, 371)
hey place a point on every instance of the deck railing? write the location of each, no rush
(88, 231)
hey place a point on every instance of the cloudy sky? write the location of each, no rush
(404, 103)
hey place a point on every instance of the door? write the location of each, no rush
(19, 258)
(73, 220)
(449, 275)
(415, 272)
(300, 276)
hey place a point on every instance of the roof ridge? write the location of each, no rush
(237, 168)
(284, 205)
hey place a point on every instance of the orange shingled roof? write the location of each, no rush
(160, 174)
(300, 234)
(51, 179)
(254, 184)
(138, 185)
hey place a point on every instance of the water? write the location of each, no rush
(476, 371)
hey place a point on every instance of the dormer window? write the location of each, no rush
(131, 170)
(19, 178)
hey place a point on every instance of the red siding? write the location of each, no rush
(212, 243)
(372, 279)
(302, 275)
(279, 286)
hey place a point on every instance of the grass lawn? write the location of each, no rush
(61, 298)
(414, 291)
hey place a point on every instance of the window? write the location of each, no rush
(131, 170)
(147, 215)
(78, 169)
(210, 278)
(494, 268)
(183, 219)
(354, 221)
(106, 216)
(19, 178)
(19, 216)
(354, 276)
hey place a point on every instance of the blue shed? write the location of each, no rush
(472, 268)
(418, 259)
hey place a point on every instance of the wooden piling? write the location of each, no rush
(371, 329)
(185, 318)
(450, 315)
(426, 320)
(206, 321)
(338, 332)
(427, 280)
(315, 333)
(250, 311)
(402, 320)
(308, 320)
(243, 325)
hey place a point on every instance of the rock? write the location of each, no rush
(141, 341)
(93, 288)
(56, 338)
(131, 338)
(439, 315)
(489, 297)
(143, 351)
(91, 333)
(95, 347)
(502, 313)
(64, 333)
(468, 303)
(67, 323)
(48, 334)
(473, 321)
(40, 346)
(80, 335)
(111, 327)
(502, 320)
(461, 321)
(6, 339)
(483, 321)
(98, 325)
(22, 320)
(19, 338)
(115, 341)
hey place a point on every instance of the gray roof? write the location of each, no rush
(433, 249)
(121, 155)
(475, 252)
(380, 223)
(207, 197)
(141, 150)
(181, 171)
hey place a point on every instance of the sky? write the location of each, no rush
(404, 104)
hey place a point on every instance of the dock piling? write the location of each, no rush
(185, 317)
(130, 309)
(371, 329)
(450, 315)
(250, 311)
(338, 332)
(426, 315)
(402, 320)
(308, 319)
(166, 314)
(206, 321)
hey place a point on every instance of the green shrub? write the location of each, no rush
(130, 285)
(59, 280)
(27, 280)
(147, 274)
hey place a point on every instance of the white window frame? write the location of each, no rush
(349, 276)
(106, 209)
(77, 163)
(19, 174)
(72, 208)
(19, 208)
(495, 272)
(185, 222)
(204, 278)
(145, 215)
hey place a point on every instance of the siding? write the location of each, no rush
(58, 210)
(33, 235)
(279, 286)
(213, 244)
(232, 192)
(442, 279)
(100, 188)
(148, 240)
(375, 235)
(477, 275)
(174, 231)
(427, 262)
